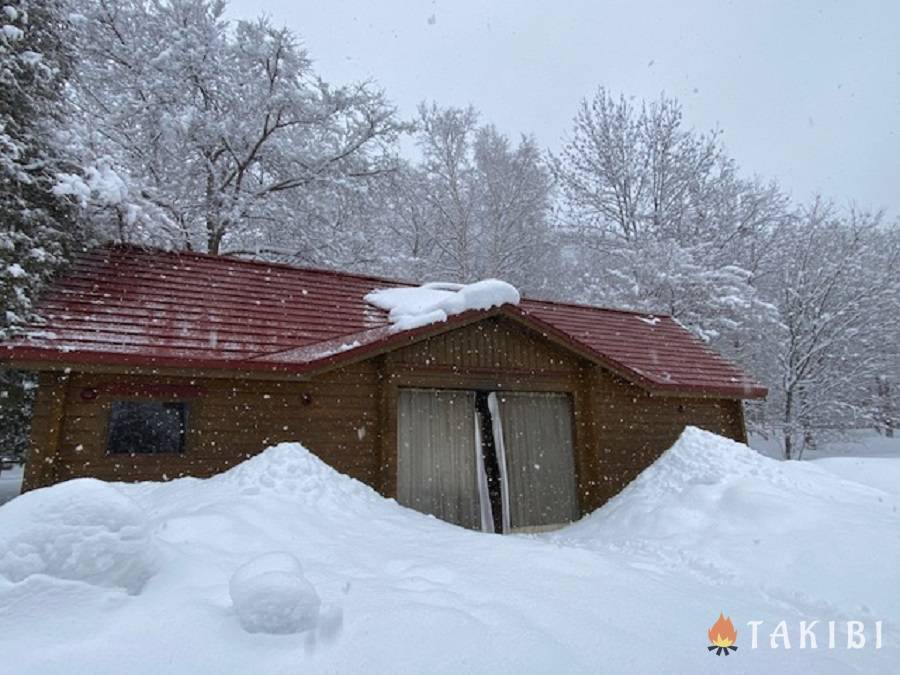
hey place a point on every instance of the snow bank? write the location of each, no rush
(410, 308)
(83, 530)
(718, 510)
(708, 484)
(271, 595)
(711, 526)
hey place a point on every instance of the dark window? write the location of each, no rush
(146, 427)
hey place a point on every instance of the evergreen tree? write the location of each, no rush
(38, 228)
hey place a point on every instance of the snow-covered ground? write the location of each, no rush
(141, 578)
(854, 443)
(10, 483)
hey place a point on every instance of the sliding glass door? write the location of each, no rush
(436, 454)
(540, 462)
(494, 461)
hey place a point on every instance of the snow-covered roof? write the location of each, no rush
(129, 306)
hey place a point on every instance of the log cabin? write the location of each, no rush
(152, 365)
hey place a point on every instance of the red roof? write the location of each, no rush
(123, 305)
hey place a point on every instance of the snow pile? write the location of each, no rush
(410, 308)
(710, 527)
(705, 483)
(271, 595)
(290, 470)
(690, 488)
(83, 530)
(719, 510)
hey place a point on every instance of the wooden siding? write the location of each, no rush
(492, 346)
(44, 456)
(348, 416)
(228, 421)
(631, 429)
(494, 355)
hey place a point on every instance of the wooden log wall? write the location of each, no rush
(348, 416)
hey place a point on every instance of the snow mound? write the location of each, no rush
(82, 530)
(701, 458)
(291, 470)
(271, 595)
(709, 526)
(702, 482)
(410, 308)
(723, 501)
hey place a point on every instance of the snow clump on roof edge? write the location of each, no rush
(413, 307)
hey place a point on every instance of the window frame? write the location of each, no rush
(184, 408)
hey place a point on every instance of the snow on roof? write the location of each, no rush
(134, 307)
(430, 303)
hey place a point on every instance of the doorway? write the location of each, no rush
(487, 460)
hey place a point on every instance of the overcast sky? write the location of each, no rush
(806, 92)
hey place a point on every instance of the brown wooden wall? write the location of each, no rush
(348, 416)
(228, 421)
(629, 429)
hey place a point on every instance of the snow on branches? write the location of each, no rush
(225, 129)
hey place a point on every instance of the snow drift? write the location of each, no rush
(711, 526)
(719, 510)
(81, 530)
(410, 308)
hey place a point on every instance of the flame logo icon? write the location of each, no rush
(722, 635)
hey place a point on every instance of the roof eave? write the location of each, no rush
(61, 359)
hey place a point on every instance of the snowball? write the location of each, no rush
(410, 308)
(271, 595)
(84, 530)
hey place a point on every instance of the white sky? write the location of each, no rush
(805, 92)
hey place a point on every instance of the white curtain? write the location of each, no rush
(484, 494)
(540, 463)
(500, 449)
(436, 455)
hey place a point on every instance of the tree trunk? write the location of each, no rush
(213, 240)
(213, 226)
(788, 426)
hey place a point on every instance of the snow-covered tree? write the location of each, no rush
(222, 132)
(714, 301)
(837, 293)
(665, 222)
(476, 205)
(38, 229)
(631, 170)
